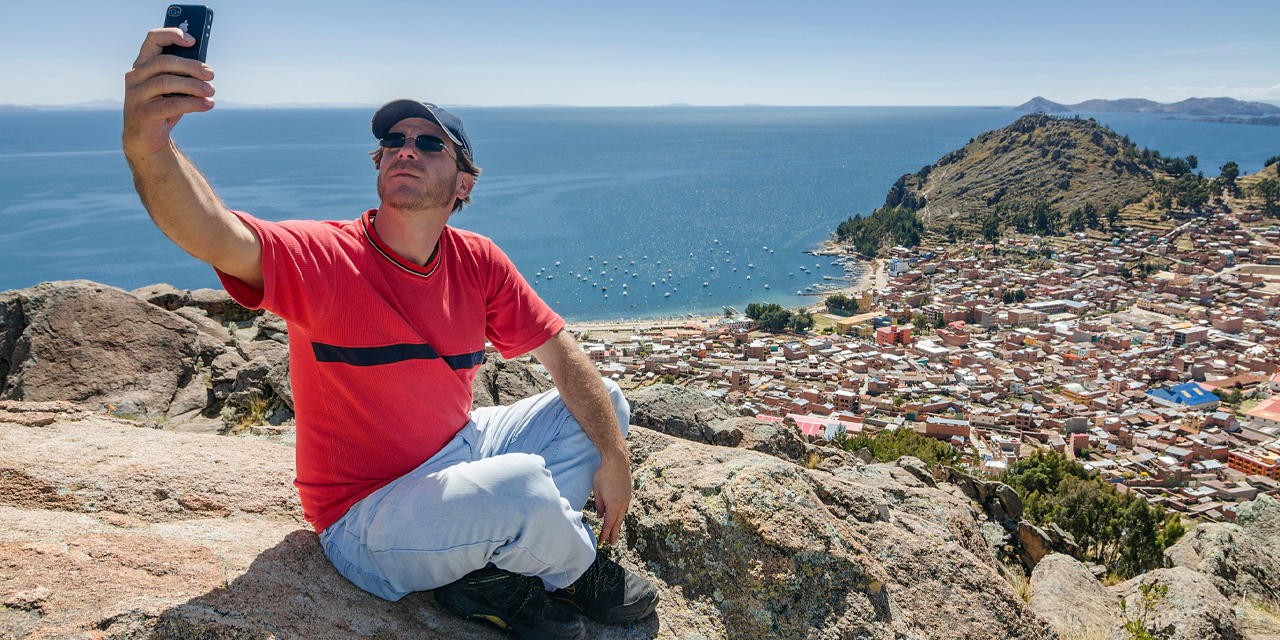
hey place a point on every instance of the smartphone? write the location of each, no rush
(195, 20)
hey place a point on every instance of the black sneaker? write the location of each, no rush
(512, 601)
(609, 593)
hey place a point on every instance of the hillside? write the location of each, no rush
(1036, 175)
(1188, 107)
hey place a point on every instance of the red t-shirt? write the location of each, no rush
(382, 352)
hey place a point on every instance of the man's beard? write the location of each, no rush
(435, 194)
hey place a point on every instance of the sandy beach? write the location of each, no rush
(872, 275)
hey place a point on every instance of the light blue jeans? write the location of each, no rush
(508, 489)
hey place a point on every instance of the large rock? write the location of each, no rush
(1065, 592)
(99, 346)
(691, 415)
(770, 549)
(1193, 609)
(502, 382)
(1236, 562)
(114, 531)
(1260, 520)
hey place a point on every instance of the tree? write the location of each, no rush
(801, 321)
(1045, 218)
(939, 322)
(1268, 189)
(1112, 215)
(841, 304)
(769, 316)
(891, 444)
(991, 227)
(1193, 161)
(920, 322)
(1019, 295)
(1173, 530)
(1230, 171)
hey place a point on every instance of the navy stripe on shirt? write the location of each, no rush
(374, 356)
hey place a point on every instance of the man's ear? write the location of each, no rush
(466, 182)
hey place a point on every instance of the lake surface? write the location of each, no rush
(691, 194)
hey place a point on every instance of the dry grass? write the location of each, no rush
(1080, 631)
(1261, 616)
(1021, 584)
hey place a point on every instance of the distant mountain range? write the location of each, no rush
(116, 105)
(1188, 107)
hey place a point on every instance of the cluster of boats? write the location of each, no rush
(621, 276)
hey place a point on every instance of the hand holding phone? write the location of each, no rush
(161, 88)
(195, 20)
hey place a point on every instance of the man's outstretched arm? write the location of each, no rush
(585, 395)
(179, 199)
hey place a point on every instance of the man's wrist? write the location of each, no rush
(615, 455)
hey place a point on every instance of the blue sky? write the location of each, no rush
(487, 52)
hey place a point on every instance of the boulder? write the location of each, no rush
(101, 347)
(502, 382)
(205, 324)
(165, 296)
(220, 306)
(770, 549)
(1193, 609)
(1234, 560)
(683, 413)
(1034, 544)
(1066, 593)
(1260, 520)
(690, 415)
(114, 531)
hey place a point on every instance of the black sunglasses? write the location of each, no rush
(425, 143)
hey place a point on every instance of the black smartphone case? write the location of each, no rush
(198, 20)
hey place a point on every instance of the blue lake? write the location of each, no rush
(676, 190)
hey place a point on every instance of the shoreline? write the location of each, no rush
(866, 280)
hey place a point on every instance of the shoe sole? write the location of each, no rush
(467, 608)
(620, 614)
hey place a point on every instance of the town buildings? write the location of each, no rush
(1167, 384)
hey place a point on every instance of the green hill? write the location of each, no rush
(1042, 174)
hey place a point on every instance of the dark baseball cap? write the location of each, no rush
(392, 112)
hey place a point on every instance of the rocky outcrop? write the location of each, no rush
(1260, 520)
(1065, 592)
(208, 365)
(499, 382)
(689, 414)
(1191, 609)
(100, 347)
(120, 531)
(1236, 562)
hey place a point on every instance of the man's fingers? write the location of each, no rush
(166, 108)
(168, 83)
(613, 514)
(167, 65)
(158, 39)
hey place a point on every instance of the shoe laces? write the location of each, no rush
(603, 576)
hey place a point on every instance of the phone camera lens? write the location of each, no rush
(175, 12)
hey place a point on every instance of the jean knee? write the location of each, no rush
(523, 482)
(620, 405)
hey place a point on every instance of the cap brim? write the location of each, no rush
(392, 112)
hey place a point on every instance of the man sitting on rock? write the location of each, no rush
(388, 316)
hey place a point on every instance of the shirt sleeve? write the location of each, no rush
(516, 319)
(296, 255)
